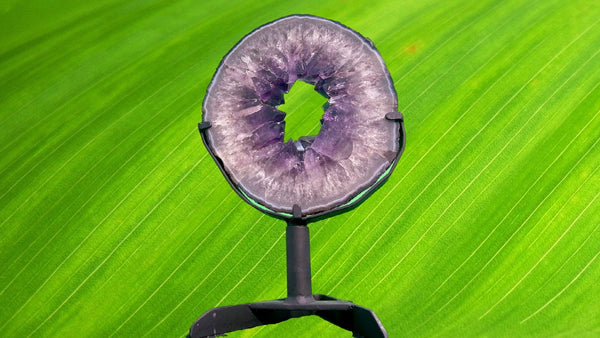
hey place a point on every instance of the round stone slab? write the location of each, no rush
(356, 147)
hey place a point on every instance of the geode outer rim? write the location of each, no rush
(361, 193)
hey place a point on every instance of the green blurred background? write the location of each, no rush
(114, 221)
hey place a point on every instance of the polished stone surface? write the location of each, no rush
(355, 145)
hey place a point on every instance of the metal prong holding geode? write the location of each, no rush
(356, 146)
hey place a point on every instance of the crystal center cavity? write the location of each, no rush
(304, 109)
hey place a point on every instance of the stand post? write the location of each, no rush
(299, 288)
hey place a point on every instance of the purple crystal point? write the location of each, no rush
(356, 143)
(263, 116)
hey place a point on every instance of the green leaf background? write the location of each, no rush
(114, 220)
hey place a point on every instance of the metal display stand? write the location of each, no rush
(300, 301)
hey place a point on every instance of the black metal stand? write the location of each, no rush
(300, 301)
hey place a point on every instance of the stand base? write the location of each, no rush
(361, 321)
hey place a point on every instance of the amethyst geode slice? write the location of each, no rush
(356, 146)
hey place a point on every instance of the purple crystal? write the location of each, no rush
(355, 145)
(263, 116)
